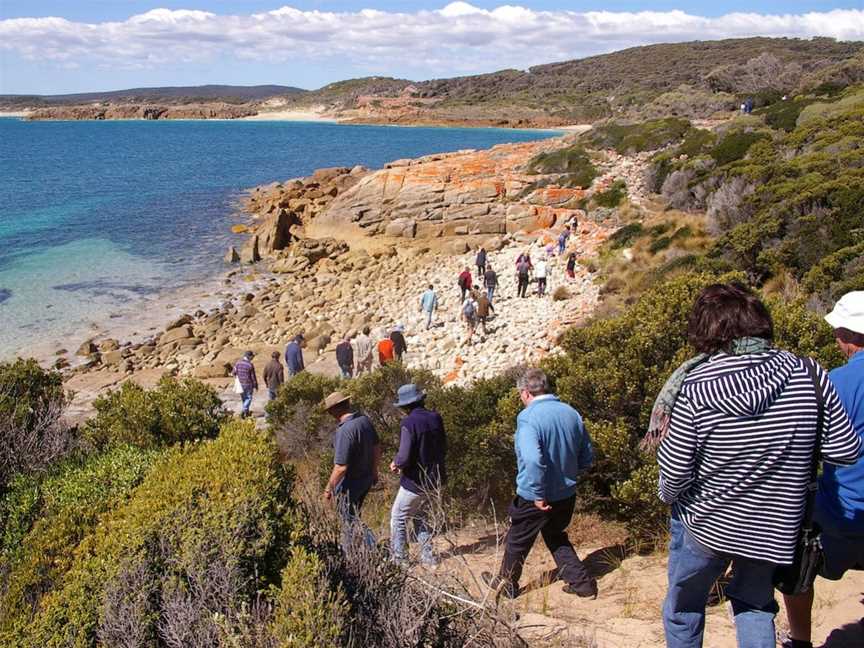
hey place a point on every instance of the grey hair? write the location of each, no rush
(534, 381)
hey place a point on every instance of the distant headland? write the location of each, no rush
(695, 80)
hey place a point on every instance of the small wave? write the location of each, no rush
(5, 294)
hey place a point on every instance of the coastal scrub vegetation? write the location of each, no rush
(573, 163)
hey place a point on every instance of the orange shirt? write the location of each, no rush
(385, 351)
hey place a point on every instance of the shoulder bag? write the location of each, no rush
(798, 577)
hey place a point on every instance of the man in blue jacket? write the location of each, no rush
(840, 499)
(420, 460)
(552, 449)
(294, 355)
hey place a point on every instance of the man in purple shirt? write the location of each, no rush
(245, 373)
(420, 460)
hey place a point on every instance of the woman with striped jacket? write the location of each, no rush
(738, 427)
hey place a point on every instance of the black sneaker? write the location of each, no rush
(583, 591)
(500, 586)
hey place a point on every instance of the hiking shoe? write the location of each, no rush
(500, 586)
(583, 591)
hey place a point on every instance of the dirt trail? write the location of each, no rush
(626, 613)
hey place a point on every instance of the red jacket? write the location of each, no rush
(465, 280)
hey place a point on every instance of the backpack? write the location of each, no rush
(463, 281)
(469, 310)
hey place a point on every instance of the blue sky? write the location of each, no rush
(110, 44)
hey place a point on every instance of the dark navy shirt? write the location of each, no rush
(422, 451)
(294, 357)
(354, 446)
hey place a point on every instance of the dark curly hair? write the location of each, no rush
(725, 312)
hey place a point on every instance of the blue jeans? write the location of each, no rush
(429, 315)
(490, 292)
(693, 570)
(414, 508)
(246, 400)
(346, 372)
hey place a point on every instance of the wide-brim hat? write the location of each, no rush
(408, 395)
(848, 313)
(335, 399)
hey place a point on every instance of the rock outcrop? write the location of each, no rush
(215, 110)
(456, 194)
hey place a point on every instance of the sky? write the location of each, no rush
(61, 46)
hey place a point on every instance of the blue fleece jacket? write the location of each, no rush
(552, 449)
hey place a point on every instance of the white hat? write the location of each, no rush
(848, 313)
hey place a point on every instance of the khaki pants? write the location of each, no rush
(364, 365)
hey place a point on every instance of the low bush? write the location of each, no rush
(174, 411)
(205, 532)
(32, 432)
(572, 161)
(634, 138)
(625, 236)
(734, 146)
(613, 196)
(561, 293)
(45, 519)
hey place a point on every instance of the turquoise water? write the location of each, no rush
(99, 217)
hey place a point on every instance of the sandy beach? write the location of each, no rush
(290, 115)
(20, 113)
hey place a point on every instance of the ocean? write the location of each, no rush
(101, 220)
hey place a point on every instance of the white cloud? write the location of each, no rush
(459, 38)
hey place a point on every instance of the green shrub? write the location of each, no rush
(624, 236)
(28, 392)
(46, 518)
(216, 514)
(573, 161)
(613, 196)
(783, 115)
(480, 421)
(298, 422)
(634, 138)
(697, 142)
(308, 613)
(822, 277)
(32, 432)
(174, 411)
(734, 146)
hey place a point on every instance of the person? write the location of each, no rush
(469, 316)
(523, 277)
(294, 355)
(244, 371)
(386, 349)
(552, 450)
(540, 275)
(572, 223)
(420, 461)
(490, 280)
(429, 304)
(484, 305)
(363, 351)
(480, 262)
(356, 455)
(562, 240)
(397, 337)
(345, 357)
(464, 283)
(274, 375)
(526, 257)
(571, 265)
(736, 428)
(839, 508)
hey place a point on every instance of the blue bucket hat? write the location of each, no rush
(408, 395)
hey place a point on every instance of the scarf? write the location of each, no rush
(661, 413)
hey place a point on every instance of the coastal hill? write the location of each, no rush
(169, 95)
(696, 80)
(693, 80)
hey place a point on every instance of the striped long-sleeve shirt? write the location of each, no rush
(737, 459)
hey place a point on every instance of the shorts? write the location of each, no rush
(843, 551)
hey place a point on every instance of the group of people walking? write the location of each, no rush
(739, 429)
(419, 462)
